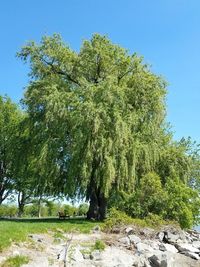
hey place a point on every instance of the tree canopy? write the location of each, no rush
(95, 128)
(96, 116)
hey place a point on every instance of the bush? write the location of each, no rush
(83, 209)
(8, 211)
(154, 220)
(119, 218)
(31, 210)
(155, 203)
(52, 208)
(182, 204)
(116, 218)
(69, 210)
(99, 245)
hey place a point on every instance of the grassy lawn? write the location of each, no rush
(18, 230)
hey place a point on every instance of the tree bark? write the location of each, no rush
(39, 207)
(21, 209)
(98, 206)
(93, 208)
(21, 203)
(102, 206)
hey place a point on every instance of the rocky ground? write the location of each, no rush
(124, 247)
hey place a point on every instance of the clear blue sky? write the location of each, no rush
(165, 32)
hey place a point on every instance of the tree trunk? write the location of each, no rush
(21, 203)
(102, 207)
(21, 209)
(39, 207)
(93, 208)
(98, 206)
(1, 200)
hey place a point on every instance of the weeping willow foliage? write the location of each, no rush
(97, 115)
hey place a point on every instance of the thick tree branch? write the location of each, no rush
(59, 71)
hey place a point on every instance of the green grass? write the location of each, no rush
(16, 261)
(18, 230)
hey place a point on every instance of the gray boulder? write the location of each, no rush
(168, 247)
(129, 230)
(160, 236)
(187, 247)
(77, 255)
(134, 239)
(196, 244)
(125, 241)
(96, 255)
(158, 261)
(191, 255)
(143, 248)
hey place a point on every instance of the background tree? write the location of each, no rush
(10, 117)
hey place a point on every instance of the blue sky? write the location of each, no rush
(165, 32)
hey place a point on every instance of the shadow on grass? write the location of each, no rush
(79, 220)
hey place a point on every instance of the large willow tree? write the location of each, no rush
(96, 118)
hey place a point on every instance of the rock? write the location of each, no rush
(183, 261)
(129, 230)
(147, 232)
(96, 255)
(162, 247)
(115, 257)
(142, 248)
(96, 229)
(168, 247)
(191, 255)
(196, 244)
(77, 255)
(170, 238)
(156, 261)
(169, 259)
(174, 237)
(140, 261)
(125, 240)
(86, 256)
(160, 236)
(116, 230)
(153, 244)
(187, 247)
(194, 233)
(134, 239)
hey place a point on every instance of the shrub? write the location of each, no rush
(154, 220)
(99, 245)
(8, 211)
(182, 204)
(117, 218)
(69, 210)
(83, 209)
